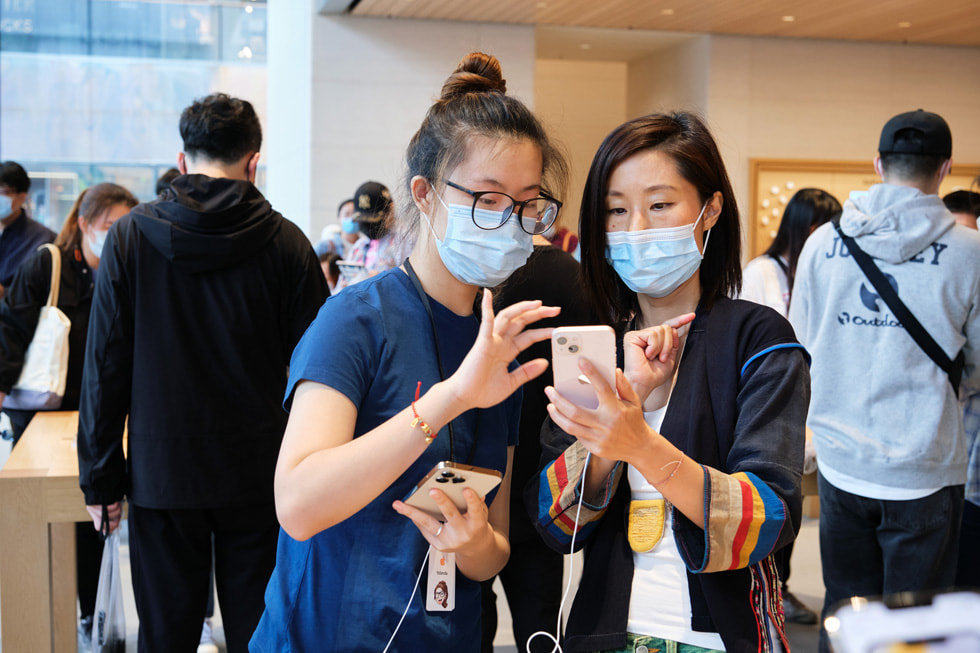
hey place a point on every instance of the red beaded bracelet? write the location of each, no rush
(419, 422)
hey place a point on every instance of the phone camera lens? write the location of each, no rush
(442, 480)
(448, 474)
(562, 340)
(573, 349)
(459, 479)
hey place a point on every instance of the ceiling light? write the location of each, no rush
(789, 19)
(666, 12)
(248, 9)
(905, 24)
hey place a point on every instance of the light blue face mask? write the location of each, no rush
(655, 262)
(481, 257)
(348, 226)
(6, 206)
(97, 242)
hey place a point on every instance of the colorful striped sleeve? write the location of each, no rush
(744, 517)
(558, 496)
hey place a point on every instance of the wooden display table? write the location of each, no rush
(40, 501)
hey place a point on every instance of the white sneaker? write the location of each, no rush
(207, 644)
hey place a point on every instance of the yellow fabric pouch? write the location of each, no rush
(646, 524)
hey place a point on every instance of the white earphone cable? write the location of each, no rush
(409, 604)
(571, 566)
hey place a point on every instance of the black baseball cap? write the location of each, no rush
(934, 137)
(371, 202)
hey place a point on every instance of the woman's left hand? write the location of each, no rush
(459, 532)
(650, 355)
(616, 429)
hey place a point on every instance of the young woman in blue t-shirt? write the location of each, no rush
(396, 374)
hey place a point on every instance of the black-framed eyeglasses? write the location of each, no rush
(492, 209)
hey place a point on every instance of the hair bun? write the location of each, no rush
(476, 73)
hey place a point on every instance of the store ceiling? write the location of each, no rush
(944, 22)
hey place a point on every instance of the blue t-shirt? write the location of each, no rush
(345, 588)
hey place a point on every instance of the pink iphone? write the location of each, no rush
(597, 344)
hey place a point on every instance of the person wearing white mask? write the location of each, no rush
(695, 456)
(400, 372)
(80, 245)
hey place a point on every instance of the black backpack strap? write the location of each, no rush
(953, 368)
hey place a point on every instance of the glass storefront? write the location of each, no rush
(92, 90)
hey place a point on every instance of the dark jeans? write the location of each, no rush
(532, 583)
(968, 568)
(170, 554)
(19, 419)
(872, 547)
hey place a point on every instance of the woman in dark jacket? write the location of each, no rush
(80, 245)
(691, 465)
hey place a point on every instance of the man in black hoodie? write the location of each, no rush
(200, 298)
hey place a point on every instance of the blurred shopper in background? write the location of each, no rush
(19, 233)
(80, 244)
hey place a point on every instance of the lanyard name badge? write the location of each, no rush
(441, 593)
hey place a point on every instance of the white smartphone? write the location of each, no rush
(597, 344)
(452, 478)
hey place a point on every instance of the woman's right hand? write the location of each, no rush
(483, 379)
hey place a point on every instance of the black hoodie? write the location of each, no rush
(201, 296)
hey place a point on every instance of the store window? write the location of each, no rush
(92, 90)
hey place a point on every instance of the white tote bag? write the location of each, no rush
(41, 385)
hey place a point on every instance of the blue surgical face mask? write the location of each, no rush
(481, 257)
(655, 262)
(6, 206)
(97, 242)
(348, 226)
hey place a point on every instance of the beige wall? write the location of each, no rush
(579, 102)
(672, 79)
(808, 99)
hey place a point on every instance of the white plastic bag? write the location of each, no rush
(109, 618)
(41, 385)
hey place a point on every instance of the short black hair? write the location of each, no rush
(163, 183)
(14, 177)
(963, 201)
(907, 166)
(220, 128)
(349, 200)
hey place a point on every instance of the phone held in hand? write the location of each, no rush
(452, 478)
(597, 344)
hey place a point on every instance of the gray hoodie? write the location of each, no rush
(881, 409)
